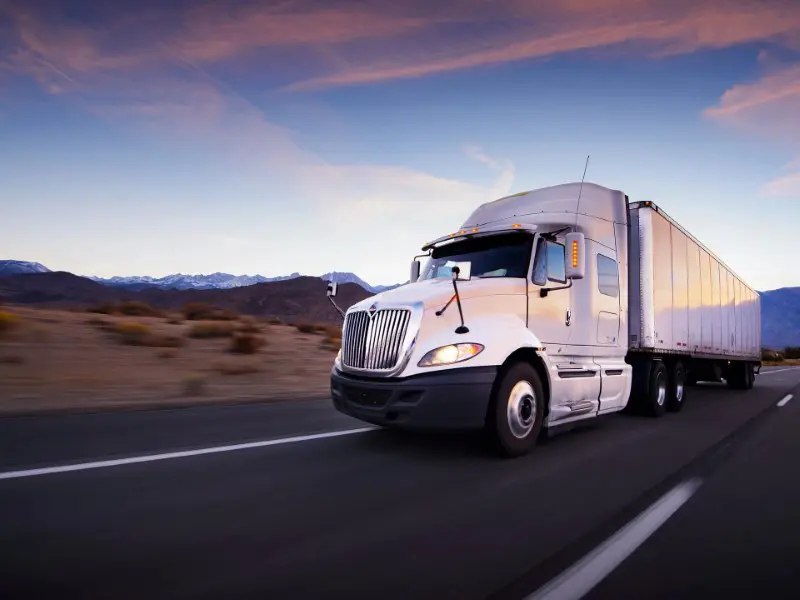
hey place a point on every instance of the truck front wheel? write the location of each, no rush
(516, 412)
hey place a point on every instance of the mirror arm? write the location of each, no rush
(544, 291)
(339, 310)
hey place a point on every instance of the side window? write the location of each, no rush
(550, 263)
(607, 276)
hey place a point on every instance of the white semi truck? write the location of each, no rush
(545, 308)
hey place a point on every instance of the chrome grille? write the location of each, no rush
(374, 344)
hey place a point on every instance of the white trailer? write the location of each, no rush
(546, 308)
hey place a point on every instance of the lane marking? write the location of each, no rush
(182, 454)
(779, 370)
(579, 579)
(785, 400)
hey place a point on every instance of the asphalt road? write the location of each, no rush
(376, 514)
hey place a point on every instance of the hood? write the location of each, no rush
(436, 292)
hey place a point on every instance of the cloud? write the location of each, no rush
(769, 107)
(787, 186)
(334, 44)
(532, 30)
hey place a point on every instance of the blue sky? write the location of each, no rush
(273, 137)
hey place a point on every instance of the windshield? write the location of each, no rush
(506, 255)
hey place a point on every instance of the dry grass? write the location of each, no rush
(319, 328)
(246, 343)
(8, 321)
(211, 330)
(200, 311)
(72, 359)
(250, 325)
(11, 359)
(331, 343)
(235, 368)
(789, 362)
(134, 308)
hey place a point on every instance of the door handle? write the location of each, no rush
(569, 317)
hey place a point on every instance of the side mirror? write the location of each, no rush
(332, 289)
(576, 256)
(415, 266)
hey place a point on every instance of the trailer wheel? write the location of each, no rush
(655, 400)
(517, 411)
(676, 392)
(749, 376)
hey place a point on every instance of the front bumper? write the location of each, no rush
(451, 399)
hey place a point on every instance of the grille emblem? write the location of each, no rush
(372, 310)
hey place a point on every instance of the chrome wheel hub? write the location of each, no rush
(662, 391)
(521, 411)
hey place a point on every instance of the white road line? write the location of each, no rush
(779, 370)
(785, 400)
(579, 579)
(183, 454)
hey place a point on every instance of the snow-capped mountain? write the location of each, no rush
(184, 281)
(20, 267)
(221, 281)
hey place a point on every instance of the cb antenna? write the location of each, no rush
(580, 189)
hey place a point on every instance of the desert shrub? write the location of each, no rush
(139, 334)
(134, 308)
(194, 385)
(8, 321)
(771, 355)
(274, 321)
(331, 343)
(167, 354)
(106, 308)
(200, 311)
(237, 368)
(792, 352)
(246, 343)
(332, 331)
(174, 321)
(250, 325)
(132, 334)
(305, 327)
(211, 330)
(11, 359)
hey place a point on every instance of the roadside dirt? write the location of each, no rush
(80, 361)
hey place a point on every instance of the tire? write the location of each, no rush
(676, 387)
(654, 401)
(516, 412)
(749, 376)
(737, 376)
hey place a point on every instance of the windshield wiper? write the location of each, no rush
(461, 328)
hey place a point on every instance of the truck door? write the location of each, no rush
(549, 317)
(609, 350)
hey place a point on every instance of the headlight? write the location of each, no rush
(447, 355)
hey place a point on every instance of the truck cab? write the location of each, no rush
(514, 322)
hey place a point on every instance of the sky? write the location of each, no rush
(310, 136)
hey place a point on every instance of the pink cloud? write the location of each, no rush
(657, 28)
(377, 41)
(787, 186)
(770, 106)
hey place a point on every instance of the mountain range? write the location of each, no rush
(292, 297)
(183, 281)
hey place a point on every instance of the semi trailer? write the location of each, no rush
(546, 308)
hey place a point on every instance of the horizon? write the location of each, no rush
(273, 138)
